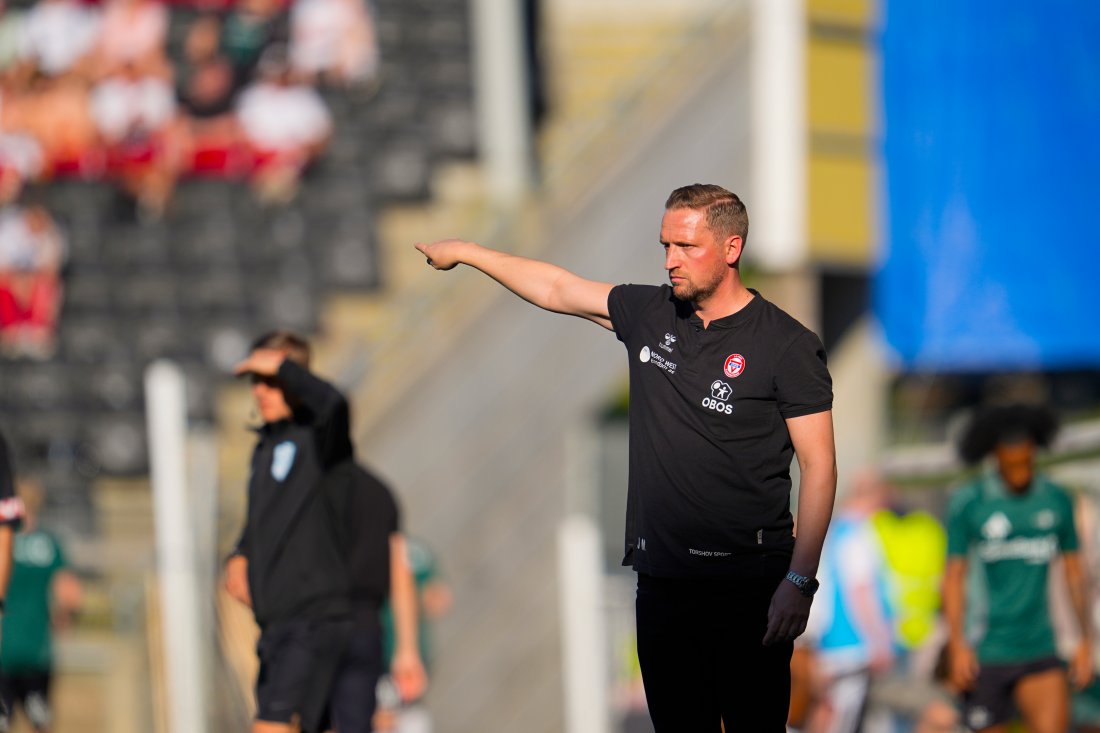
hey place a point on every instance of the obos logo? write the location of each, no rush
(719, 394)
(644, 355)
(735, 364)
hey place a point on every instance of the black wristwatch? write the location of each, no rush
(806, 586)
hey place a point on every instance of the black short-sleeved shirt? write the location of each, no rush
(11, 506)
(367, 516)
(710, 454)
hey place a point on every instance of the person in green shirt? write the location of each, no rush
(434, 600)
(1013, 522)
(41, 588)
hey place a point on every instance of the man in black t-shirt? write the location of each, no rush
(725, 389)
(368, 530)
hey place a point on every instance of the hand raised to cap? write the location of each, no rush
(265, 362)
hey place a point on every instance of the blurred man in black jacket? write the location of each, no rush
(297, 579)
(320, 551)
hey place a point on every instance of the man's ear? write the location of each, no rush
(731, 249)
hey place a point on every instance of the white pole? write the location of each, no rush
(504, 127)
(779, 130)
(203, 464)
(166, 415)
(584, 639)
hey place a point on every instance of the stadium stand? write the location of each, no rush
(197, 283)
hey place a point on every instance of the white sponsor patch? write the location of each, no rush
(719, 397)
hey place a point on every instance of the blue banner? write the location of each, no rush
(991, 117)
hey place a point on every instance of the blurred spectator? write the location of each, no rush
(1085, 704)
(12, 21)
(914, 544)
(21, 160)
(333, 41)
(285, 123)
(43, 593)
(31, 255)
(57, 115)
(851, 626)
(59, 35)
(134, 113)
(206, 86)
(11, 185)
(132, 105)
(205, 83)
(250, 28)
(133, 32)
(435, 601)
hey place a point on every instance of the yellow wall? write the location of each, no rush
(849, 12)
(842, 166)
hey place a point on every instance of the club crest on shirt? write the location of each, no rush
(282, 459)
(996, 527)
(11, 509)
(735, 364)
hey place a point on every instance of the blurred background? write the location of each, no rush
(176, 178)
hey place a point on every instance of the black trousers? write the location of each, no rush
(702, 656)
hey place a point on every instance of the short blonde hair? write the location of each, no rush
(726, 214)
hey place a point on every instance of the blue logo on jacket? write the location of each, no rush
(282, 459)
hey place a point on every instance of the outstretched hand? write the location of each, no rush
(787, 615)
(444, 254)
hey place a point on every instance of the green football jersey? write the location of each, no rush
(25, 645)
(1013, 538)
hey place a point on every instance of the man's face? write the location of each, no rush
(270, 400)
(1016, 461)
(694, 256)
